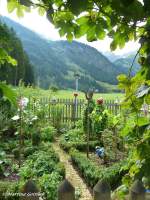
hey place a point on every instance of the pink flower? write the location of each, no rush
(23, 102)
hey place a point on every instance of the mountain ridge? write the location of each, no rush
(56, 62)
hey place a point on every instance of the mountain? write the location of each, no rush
(112, 57)
(56, 62)
(126, 63)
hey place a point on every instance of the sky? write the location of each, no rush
(42, 26)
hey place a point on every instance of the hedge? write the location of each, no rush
(93, 173)
(81, 146)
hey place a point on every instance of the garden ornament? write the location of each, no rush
(100, 152)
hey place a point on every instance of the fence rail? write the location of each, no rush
(71, 109)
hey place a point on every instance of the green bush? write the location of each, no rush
(81, 146)
(49, 184)
(8, 146)
(6, 188)
(75, 135)
(29, 151)
(93, 173)
(48, 133)
(36, 138)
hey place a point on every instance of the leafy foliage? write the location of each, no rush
(93, 173)
(48, 133)
(99, 118)
(44, 166)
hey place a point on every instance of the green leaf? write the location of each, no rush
(4, 57)
(8, 93)
(100, 32)
(82, 20)
(91, 34)
(69, 37)
(62, 32)
(11, 6)
(20, 11)
(113, 45)
(41, 11)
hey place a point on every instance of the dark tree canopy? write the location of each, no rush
(23, 69)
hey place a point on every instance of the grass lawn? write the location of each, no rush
(63, 94)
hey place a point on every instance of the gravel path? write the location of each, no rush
(71, 174)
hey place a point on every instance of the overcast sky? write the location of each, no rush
(43, 27)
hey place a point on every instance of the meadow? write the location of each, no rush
(63, 94)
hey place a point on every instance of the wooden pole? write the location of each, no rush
(88, 130)
(66, 191)
(102, 191)
(137, 191)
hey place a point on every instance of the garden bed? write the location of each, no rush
(41, 164)
(92, 173)
(80, 145)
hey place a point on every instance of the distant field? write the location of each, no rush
(64, 94)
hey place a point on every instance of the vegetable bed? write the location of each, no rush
(93, 173)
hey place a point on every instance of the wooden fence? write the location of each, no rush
(101, 191)
(71, 109)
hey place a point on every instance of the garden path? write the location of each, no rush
(71, 174)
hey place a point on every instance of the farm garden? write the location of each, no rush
(44, 142)
(47, 141)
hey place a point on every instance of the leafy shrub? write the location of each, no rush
(8, 145)
(29, 151)
(41, 162)
(8, 187)
(81, 146)
(4, 162)
(93, 173)
(49, 184)
(36, 138)
(48, 133)
(76, 139)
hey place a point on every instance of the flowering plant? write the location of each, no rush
(23, 102)
(100, 101)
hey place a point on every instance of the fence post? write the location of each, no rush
(137, 191)
(73, 112)
(66, 191)
(102, 191)
(30, 188)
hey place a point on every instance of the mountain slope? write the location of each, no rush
(56, 61)
(126, 63)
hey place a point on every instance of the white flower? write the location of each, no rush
(23, 102)
(15, 118)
